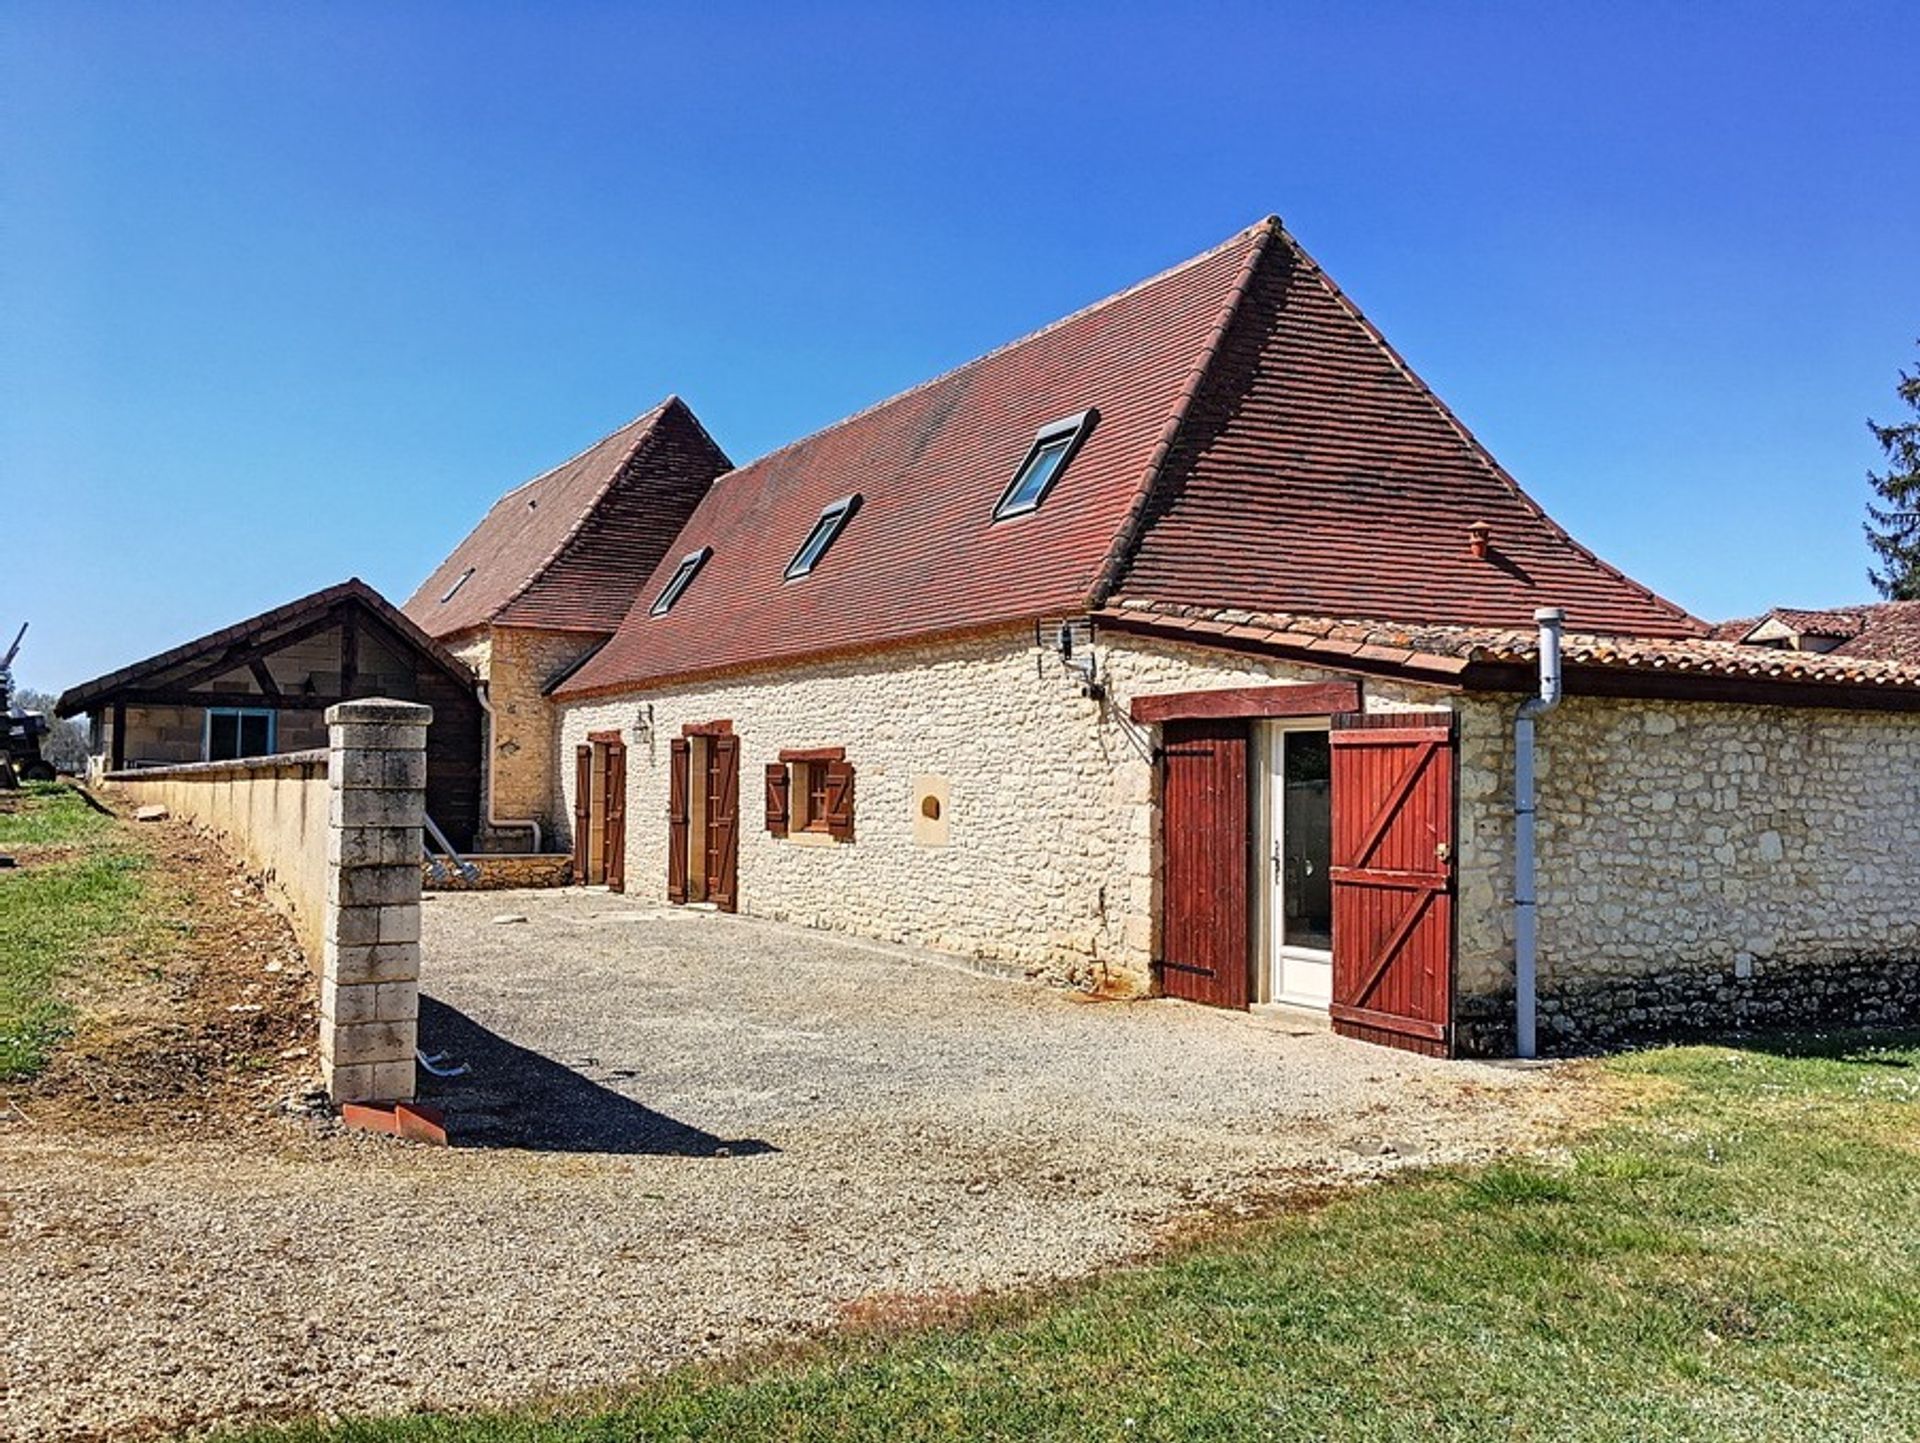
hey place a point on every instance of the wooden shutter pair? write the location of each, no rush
(839, 778)
(616, 836)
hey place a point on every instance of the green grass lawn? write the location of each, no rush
(57, 914)
(1735, 1256)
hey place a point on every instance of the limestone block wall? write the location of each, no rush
(272, 811)
(1049, 858)
(523, 662)
(1702, 867)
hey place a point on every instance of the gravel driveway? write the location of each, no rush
(686, 1134)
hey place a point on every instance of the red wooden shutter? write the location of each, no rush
(679, 785)
(616, 842)
(723, 822)
(1205, 833)
(582, 810)
(839, 800)
(779, 784)
(1393, 849)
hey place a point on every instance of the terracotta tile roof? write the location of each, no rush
(1886, 630)
(924, 555)
(1258, 445)
(1443, 651)
(1318, 473)
(569, 549)
(90, 694)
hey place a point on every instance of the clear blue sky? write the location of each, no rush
(289, 293)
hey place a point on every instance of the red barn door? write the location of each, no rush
(1205, 842)
(1393, 846)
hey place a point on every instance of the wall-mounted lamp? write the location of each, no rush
(643, 723)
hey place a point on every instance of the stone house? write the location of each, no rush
(545, 579)
(262, 686)
(1189, 644)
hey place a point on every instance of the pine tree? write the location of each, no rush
(1893, 530)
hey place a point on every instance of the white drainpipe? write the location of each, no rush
(528, 823)
(1526, 936)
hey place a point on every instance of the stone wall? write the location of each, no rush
(271, 811)
(1701, 868)
(1051, 830)
(498, 871)
(518, 663)
(176, 735)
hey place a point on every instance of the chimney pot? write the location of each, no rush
(1477, 535)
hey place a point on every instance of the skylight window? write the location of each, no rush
(461, 581)
(832, 519)
(681, 579)
(1053, 446)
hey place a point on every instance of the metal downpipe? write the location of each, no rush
(1526, 935)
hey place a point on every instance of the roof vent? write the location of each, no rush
(1477, 535)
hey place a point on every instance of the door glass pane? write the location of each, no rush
(223, 736)
(1306, 842)
(254, 728)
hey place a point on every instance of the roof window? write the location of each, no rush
(832, 519)
(681, 579)
(461, 581)
(1053, 446)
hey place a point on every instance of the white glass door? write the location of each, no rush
(1300, 887)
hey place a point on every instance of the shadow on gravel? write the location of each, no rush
(514, 1097)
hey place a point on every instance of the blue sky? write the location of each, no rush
(289, 293)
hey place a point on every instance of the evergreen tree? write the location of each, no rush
(1893, 527)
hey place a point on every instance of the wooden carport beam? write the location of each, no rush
(1280, 699)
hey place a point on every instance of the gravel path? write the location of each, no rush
(687, 1134)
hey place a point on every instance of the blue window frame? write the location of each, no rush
(681, 579)
(230, 732)
(832, 519)
(1053, 447)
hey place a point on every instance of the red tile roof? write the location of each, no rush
(568, 549)
(924, 554)
(1317, 473)
(1442, 651)
(1258, 444)
(1885, 630)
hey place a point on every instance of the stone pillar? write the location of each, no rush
(370, 971)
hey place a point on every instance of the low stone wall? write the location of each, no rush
(338, 836)
(498, 871)
(271, 811)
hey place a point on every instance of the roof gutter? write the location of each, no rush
(1526, 936)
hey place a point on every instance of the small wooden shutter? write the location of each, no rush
(1205, 821)
(839, 800)
(679, 785)
(616, 843)
(1393, 813)
(582, 810)
(779, 804)
(723, 821)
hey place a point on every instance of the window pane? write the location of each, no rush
(1306, 843)
(223, 736)
(256, 730)
(1038, 473)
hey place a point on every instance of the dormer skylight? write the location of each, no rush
(832, 519)
(459, 582)
(1053, 446)
(681, 579)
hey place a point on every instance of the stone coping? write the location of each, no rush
(237, 766)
